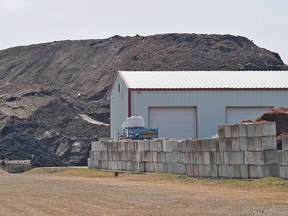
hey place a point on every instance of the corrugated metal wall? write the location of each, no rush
(210, 104)
(119, 106)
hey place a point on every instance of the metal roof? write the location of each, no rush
(205, 79)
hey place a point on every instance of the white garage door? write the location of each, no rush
(173, 121)
(238, 114)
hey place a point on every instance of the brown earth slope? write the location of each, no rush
(53, 94)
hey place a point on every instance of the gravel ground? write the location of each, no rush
(40, 194)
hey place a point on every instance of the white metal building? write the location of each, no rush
(194, 103)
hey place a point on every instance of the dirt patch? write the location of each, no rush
(149, 194)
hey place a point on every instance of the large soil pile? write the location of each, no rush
(53, 96)
(280, 116)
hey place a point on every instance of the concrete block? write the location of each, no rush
(190, 157)
(235, 144)
(250, 130)
(165, 167)
(169, 145)
(258, 129)
(128, 165)
(222, 144)
(242, 130)
(112, 146)
(222, 171)
(268, 128)
(94, 146)
(212, 158)
(170, 167)
(179, 168)
(123, 165)
(96, 155)
(181, 157)
(154, 156)
(159, 146)
(234, 171)
(221, 131)
(220, 158)
(248, 158)
(182, 146)
(206, 145)
(109, 156)
(199, 158)
(270, 157)
(161, 157)
(174, 157)
(103, 164)
(168, 157)
(269, 143)
(198, 145)
(271, 170)
(147, 156)
(258, 158)
(244, 171)
(283, 172)
(103, 155)
(243, 143)
(258, 143)
(228, 131)
(228, 144)
(209, 171)
(256, 171)
(102, 146)
(160, 167)
(139, 156)
(190, 170)
(114, 155)
(213, 145)
(206, 156)
(282, 158)
(284, 142)
(131, 146)
(235, 131)
(250, 143)
(234, 158)
(191, 145)
(141, 166)
(153, 145)
(122, 146)
(146, 145)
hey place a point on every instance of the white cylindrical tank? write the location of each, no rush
(135, 122)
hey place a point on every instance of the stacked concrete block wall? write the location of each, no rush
(240, 151)
(283, 158)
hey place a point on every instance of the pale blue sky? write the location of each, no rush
(24, 22)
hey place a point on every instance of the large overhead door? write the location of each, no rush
(238, 114)
(174, 121)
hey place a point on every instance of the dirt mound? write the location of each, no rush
(53, 96)
(280, 116)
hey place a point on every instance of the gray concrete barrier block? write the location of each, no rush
(282, 157)
(198, 145)
(249, 158)
(269, 143)
(258, 158)
(181, 157)
(199, 158)
(94, 146)
(235, 144)
(244, 171)
(123, 165)
(170, 167)
(161, 157)
(174, 157)
(114, 155)
(250, 143)
(154, 156)
(268, 128)
(228, 144)
(109, 156)
(270, 157)
(206, 145)
(221, 131)
(190, 170)
(131, 146)
(141, 144)
(179, 168)
(102, 146)
(146, 145)
(103, 155)
(182, 146)
(235, 131)
(213, 145)
(209, 171)
(122, 146)
(234, 158)
(103, 164)
(96, 155)
(243, 143)
(284, 142)
(283, 172)
(153, 145)
(243, 130)
(123, 155)
(212, 158)
(112, 146)
(190, 157)
(160, 167)
(234, 171)
(257, 129)
(147, 156)
(220, 158)
(128, 165)
(271, 170)
(191, 145)
(206, 156)
(139, 156)
(250, 130)
(256, 171)
(169, 145)
(168, 157)
(228, 131)
(222, 144)
(222, 171)
(159, 146)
